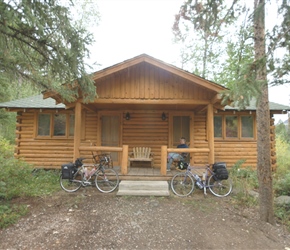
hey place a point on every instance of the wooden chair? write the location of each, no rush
(141, 154)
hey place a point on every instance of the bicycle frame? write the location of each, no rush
(205, 178)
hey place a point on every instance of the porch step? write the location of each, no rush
(144, 188)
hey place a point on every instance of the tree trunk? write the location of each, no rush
(263, 118)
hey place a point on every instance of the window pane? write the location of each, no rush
(232, 126)
(43, 124)
(217, 126)
(247, 126)
(59, 124)
(72, 125)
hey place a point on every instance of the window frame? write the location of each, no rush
(51, 127)
(239, 127)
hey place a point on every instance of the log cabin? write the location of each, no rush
(142, 102)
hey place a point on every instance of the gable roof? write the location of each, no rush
(160, 64)
(46, 102)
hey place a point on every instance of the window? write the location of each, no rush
(247, 126)
(218, 126)
(234, 126)
(44, 124)
(59, 125)
(55, 125)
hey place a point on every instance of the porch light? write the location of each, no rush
(163, 116)
(127, 117)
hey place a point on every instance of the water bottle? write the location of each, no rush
(198, 181)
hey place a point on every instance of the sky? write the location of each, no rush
(129, 28)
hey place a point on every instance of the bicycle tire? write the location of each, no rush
(107, 180)
(73, 184)
(182, 184)
(220, 188)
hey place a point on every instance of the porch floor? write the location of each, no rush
(146, 173)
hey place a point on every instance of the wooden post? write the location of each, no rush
(78, 129)
(124, 165)
(163, 160)
(210, 133)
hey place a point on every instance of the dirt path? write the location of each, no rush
(88, 219)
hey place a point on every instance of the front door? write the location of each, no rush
(110, 134)
(181, 128)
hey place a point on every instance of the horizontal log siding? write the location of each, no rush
(200, 139)
(233, 151)
(90, 135)
(146, 129)
(42, 153)
(144, 81)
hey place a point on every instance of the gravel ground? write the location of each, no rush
(89, 219)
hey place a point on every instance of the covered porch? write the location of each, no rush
(144, 172)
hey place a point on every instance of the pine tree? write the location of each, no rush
(40, 43)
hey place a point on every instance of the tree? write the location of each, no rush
(263, 117)
(251, 78)
(40, 43)
(199, 26)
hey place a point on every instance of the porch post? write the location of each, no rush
(124, 166)
(163, 160)
(77, 132)
(210, 133)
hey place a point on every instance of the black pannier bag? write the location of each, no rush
(220, 170)
(68, 170)
(182, 165)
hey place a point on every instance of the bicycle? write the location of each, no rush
(75, 175)
(182, 184)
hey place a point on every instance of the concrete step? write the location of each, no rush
(144, 188)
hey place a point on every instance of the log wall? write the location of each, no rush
(145, 128)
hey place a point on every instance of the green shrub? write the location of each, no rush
(6, 149)
(283, 157)
(18, 179)
(244, 180)
(10, 214)
(282, 212)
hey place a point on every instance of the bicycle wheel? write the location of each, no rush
(220, 188)
(73, 184)
(107, 180)
(182, 184)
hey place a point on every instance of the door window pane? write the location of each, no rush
(218, 126)
(247, 126)
(110, 133)
(180, 129)
(59, 125)
(232, 126)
